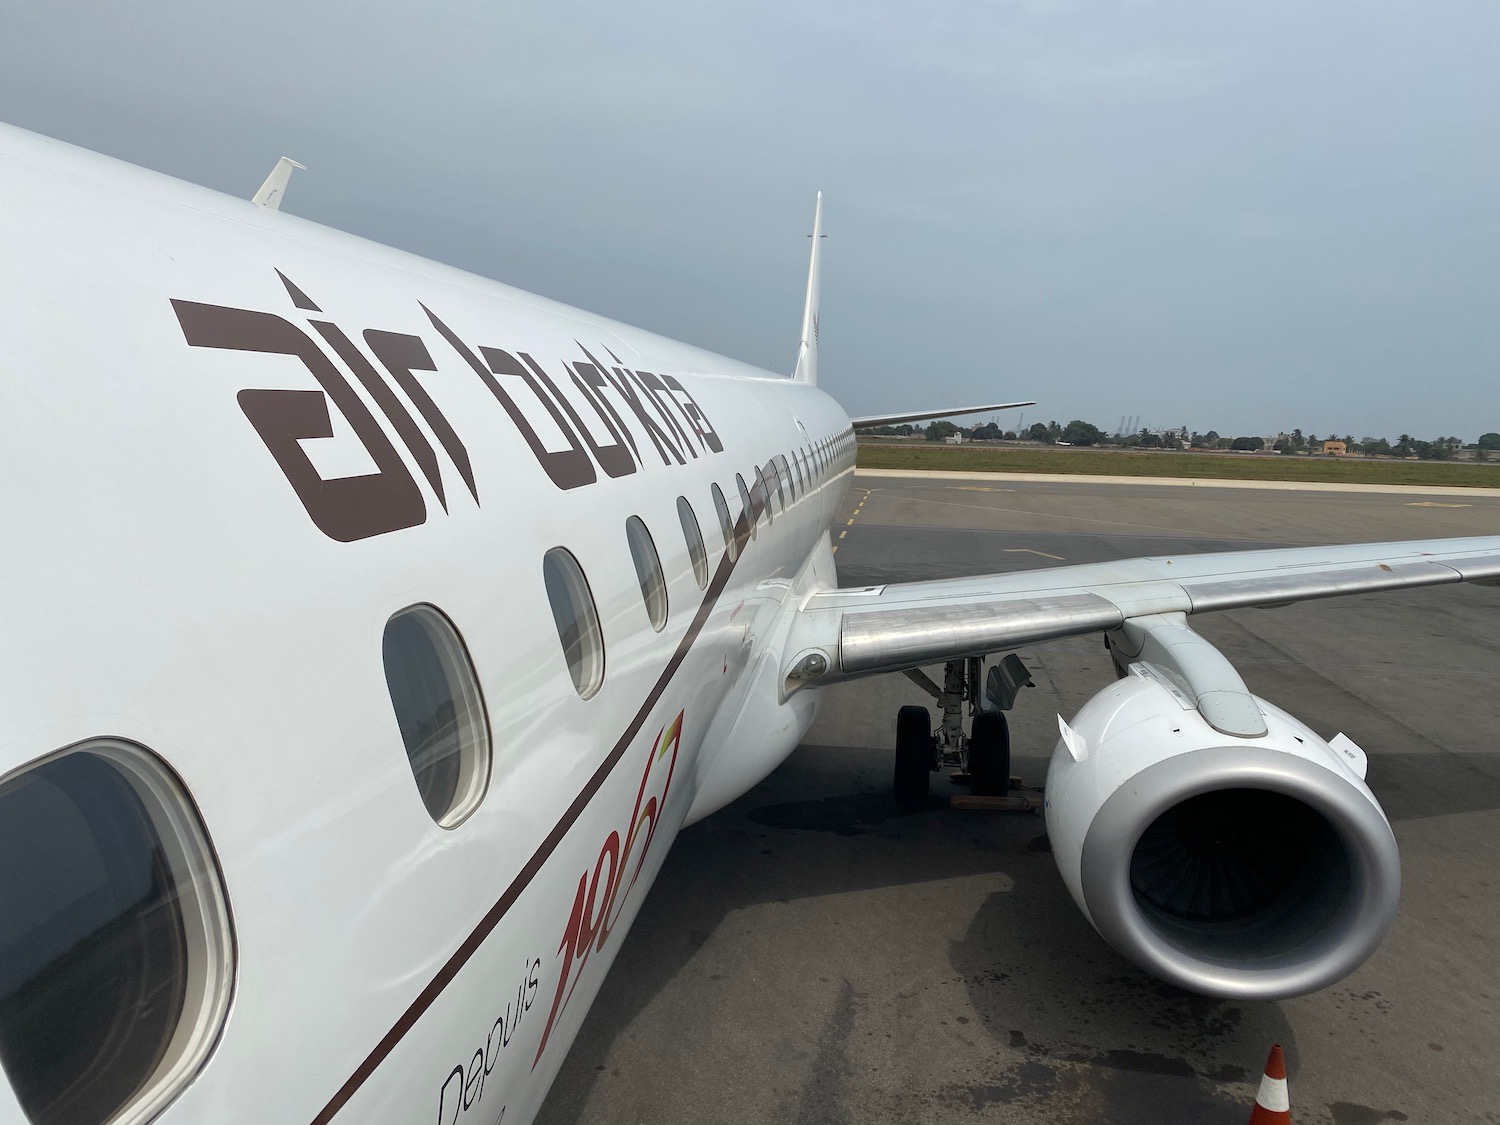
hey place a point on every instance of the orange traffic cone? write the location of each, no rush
(1272, 1106)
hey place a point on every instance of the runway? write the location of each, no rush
(814, 954)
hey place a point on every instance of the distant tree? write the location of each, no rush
(1010, 435)
(1037, 432)
(1375, 445)
(937, 431)
(906, 429)
(1173, 441)
(1251, 443)
(1054, 431)
(1405, 446)
(1147, 440)
(987, 432)
(1489, 441)
(1211, 438)
(1281, 445)
(1079, 432)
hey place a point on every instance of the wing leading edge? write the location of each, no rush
(923, 415)
(874, 629)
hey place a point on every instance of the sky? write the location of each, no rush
(1244, 217)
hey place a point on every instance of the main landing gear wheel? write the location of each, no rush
(989, 755)
(914, 755)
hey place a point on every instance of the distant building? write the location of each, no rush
(1337, 448)
(955, 439)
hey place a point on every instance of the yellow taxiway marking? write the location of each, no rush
(1029, 551)
(1434, 504)
(843, 533)
(835, 548)
(850, 523)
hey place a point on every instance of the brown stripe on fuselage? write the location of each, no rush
(533, 865)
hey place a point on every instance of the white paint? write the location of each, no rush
(1273, 1095)
(162, 583)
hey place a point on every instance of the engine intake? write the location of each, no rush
(1253, 868)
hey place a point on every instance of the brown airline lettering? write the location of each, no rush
(345, 508)
(402, 356)
(592, 374)
(701, 424)
(568, 468)
(658, 436)
(614, 458)
(663, 391)
(385, 398)
(651, 385)
(585, 376)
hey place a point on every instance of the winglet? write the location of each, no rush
(807, 347)
(270, 193)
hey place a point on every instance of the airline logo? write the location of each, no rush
(600, 899)
(633, 416)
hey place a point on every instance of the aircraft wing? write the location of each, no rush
(888, 628)
(923, 415)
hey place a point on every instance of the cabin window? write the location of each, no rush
(694, 537)
(765, 480)
(439, 711)
(750, 519)
(116, 955)
(577, 620)
(647, 571)
(726, 524)
(784, 476)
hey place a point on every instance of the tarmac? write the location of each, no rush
(813, 953)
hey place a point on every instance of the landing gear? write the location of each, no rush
(916, 755)
(989, 755)
(982, 757)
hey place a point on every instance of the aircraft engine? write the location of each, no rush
(1250, 867)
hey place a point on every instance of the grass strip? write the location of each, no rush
(1209, 466)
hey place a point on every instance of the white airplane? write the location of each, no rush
(371, 629)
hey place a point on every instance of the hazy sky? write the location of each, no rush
(1244, 216)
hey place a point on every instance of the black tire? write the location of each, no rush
(914, 755)
(989, 755)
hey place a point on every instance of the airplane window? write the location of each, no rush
(439, 711)
(647, 571)
(115, 946)
(801, 489)
(765, 481)
(745, 500)
(577, 620)
(783, 480)
(694, 537)
(726, 524)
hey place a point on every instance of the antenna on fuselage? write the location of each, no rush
(270, 194)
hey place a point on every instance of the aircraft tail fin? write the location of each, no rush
(807, 346)
(270, 193)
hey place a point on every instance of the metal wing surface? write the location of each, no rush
(872, 629)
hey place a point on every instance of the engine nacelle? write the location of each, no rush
(1251, 867)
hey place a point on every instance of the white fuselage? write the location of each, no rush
(167, 581)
